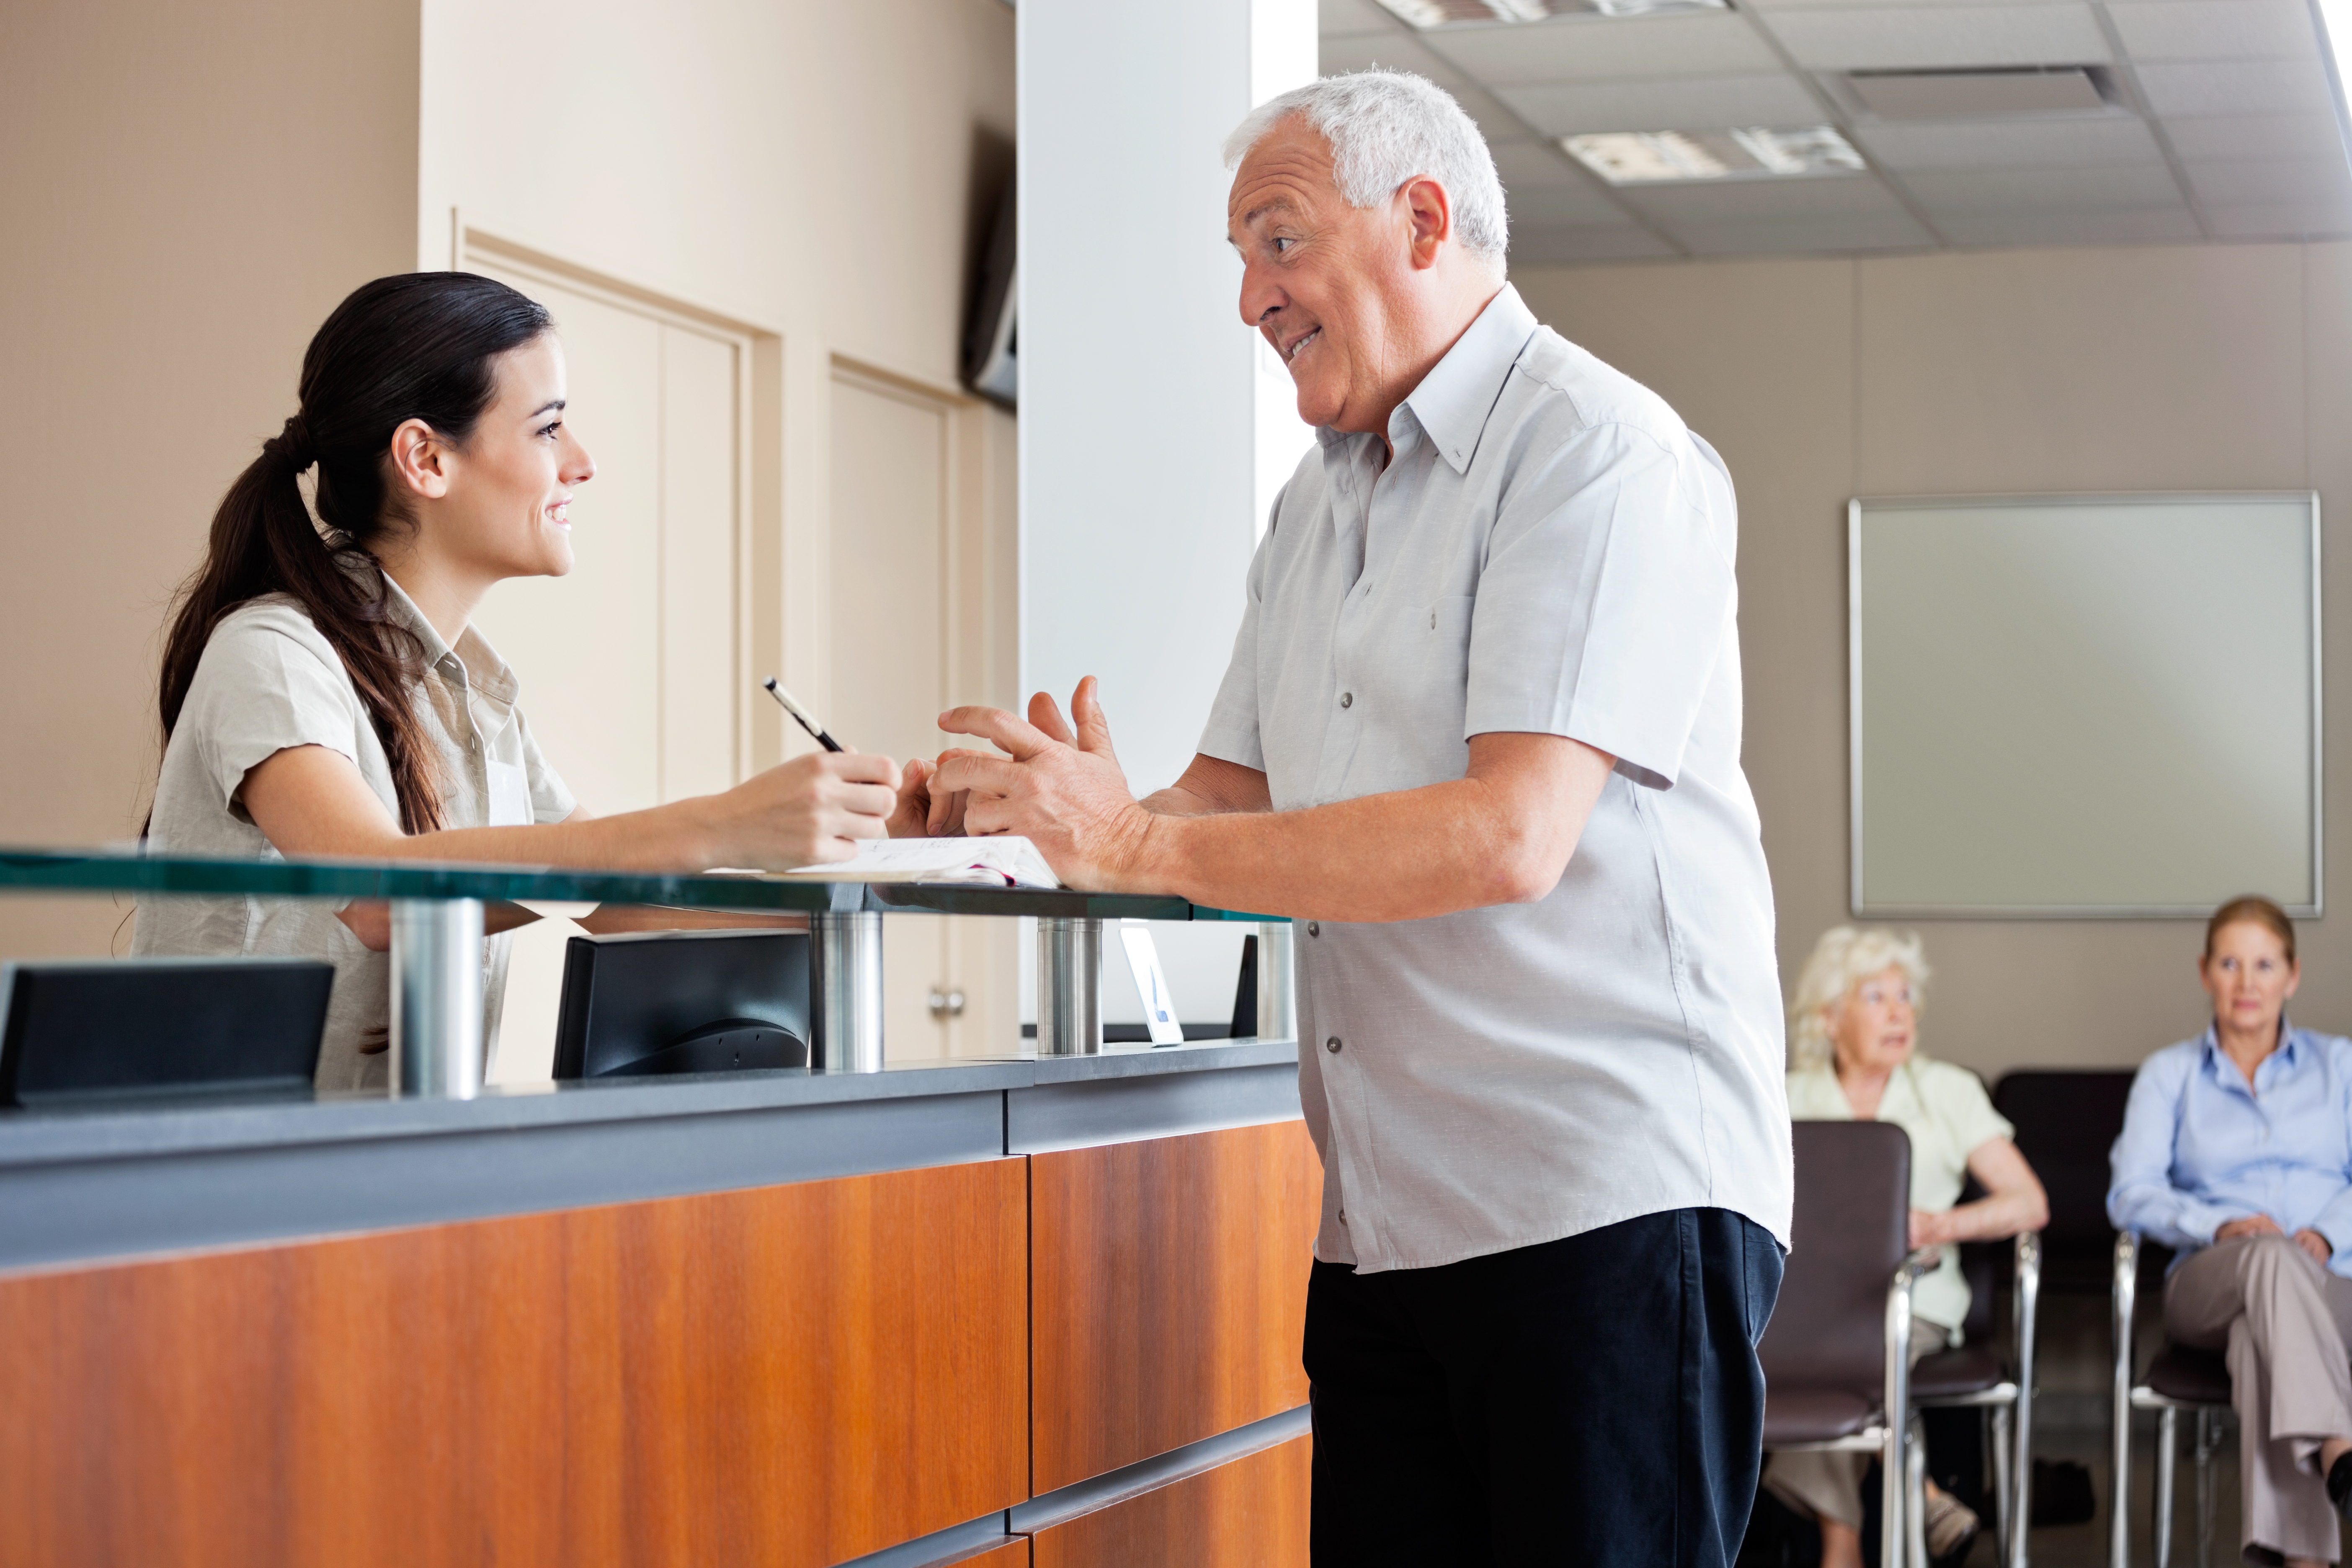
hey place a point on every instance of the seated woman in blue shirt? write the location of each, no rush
(2237, 1151)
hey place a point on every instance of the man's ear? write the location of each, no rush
(419, 460)
(1430, 212)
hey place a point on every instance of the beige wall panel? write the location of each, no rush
(2325, 998)
(2160, 368)
(804, 166)
(587, 645)
(1759, 358)
(190, 191)
(700, 681)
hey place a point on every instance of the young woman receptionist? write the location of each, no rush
(324, 692)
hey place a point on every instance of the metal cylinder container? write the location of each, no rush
(437, 998)
(1278, 986)
(1069, 987)
(845, 991)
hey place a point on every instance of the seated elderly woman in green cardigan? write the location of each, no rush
(1853, 1056)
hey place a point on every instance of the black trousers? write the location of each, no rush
(1593, 1400)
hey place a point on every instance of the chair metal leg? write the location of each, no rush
(2125, 1288)
(1915, 1495)
(2209, 1441)
(2167, 1444)
(2004, 1490)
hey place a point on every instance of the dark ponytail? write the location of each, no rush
(418, 346)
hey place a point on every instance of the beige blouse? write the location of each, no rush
(268, 682)
(1948, 1117)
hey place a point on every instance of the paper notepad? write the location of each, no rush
(1007, 861)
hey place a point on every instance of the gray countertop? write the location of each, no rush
(152, 1177)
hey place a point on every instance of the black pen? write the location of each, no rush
(801, 714)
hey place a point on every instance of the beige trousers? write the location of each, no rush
(2284, 1320)
(1828, 1485)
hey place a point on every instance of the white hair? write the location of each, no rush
(1842, 959)
(1387, 127)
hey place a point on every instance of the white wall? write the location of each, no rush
(1152, 437)
(1139, 389)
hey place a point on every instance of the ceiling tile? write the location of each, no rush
(2216, 30)
(1911, 37)
(1803, 236)
(2257, 136)
(2236, 87)
(1362, 50)
(1943, 191)
(2082, 227)
(1495, 120)
(1352, 16)
(1703, 103)
(2282, 220)
(1729, 201)
(1601, 49)
(2268, 181)
(1588, 243)
(2015, 144)
(1545, 190)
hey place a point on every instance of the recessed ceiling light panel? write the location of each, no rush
(1427, 14)
(1748, 152)
(1983, 93)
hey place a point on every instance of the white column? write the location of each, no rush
(1152, 434)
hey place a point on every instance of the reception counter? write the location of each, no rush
(1020, 1312)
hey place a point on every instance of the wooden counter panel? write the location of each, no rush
(1167, 1292)
(1251, 1513)
(786, 1376)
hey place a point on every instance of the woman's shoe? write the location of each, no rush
(1951, 1525)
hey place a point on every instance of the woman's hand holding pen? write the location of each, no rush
(800, 814)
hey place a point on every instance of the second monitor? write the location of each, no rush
(681, 1002)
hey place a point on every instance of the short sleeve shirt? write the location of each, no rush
(1946, 1112)
(268, 682)
(1549, 550)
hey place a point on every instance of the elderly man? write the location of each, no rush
(1480, 738)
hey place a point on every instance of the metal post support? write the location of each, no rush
(2019, 1515)
(1069, 987)
(1277, 985)
(437, 998)
(845, 993)
(2126, 1290)
(1915, 1495)
(2167, 1455)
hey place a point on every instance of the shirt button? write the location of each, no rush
(1332, 1045)
(1347, 699)
(1313, 929)
(1343, 1216)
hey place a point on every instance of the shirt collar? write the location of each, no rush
(477, 663)
(2289, 1052)
(1455, 397)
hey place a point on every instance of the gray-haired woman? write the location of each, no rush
(1853, 1056)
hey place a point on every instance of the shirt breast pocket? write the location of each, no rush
(509, 795)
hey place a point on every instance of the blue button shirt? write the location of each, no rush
(2198, 1149)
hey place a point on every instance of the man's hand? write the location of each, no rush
(921, 811)
(2253, 1224)
(2318, 1246)
(1065, 792)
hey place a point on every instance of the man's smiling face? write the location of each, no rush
(1317, 274)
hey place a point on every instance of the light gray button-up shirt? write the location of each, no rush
(1549, 550)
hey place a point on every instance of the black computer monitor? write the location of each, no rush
(112, 1029)
(674, 1002)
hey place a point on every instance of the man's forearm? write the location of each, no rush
(1503, 835)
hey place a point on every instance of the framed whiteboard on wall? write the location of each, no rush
(2085, 706)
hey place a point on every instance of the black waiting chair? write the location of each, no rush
(1837, 1355)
